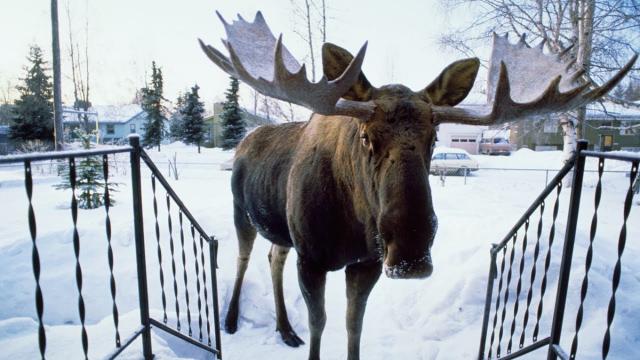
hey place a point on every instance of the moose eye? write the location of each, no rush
(365, 139)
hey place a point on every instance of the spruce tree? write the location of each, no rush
(33, 111)
(233, 126)
(176, 120)
(152, 104)
(192, 119)
(90, 185)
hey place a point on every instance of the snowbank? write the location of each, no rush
(437, 318)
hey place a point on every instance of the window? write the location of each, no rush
(132, 128)
(626, 128)
(438, 157)
(111, 129)
(455, 140)
(451, 156)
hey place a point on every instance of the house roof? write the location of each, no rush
(108, 113)
(596, 111)
(496, 133)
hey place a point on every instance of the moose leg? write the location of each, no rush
(312, 281)
(360, 280)
(246, 235)
(277, 258)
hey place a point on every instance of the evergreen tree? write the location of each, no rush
(233, 126)
(33, 111)
(176, 120)
(193, 120)
(89, 177)
(152, 104)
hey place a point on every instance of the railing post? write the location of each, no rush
(487, 303)
(567, 253)
(136, 189)
(213, 261)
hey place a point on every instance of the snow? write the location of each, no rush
(437, 318)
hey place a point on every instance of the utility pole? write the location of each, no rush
(57, 88)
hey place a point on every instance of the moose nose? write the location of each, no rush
(399, 266)
(420, 268)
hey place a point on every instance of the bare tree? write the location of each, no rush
(276, 110)
(80, 73)
(255, 95)
(600, 35)
(57, 85)
(7, 92)
(308, 13)
(323, 22)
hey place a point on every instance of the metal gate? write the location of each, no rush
(199, 272)
(501, 340)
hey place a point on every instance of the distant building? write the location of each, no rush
(616, 129)
(113, 122)
(213, 136)
(4, 140)
(466, 137)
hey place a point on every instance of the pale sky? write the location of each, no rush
(126, 35)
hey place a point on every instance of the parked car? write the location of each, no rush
(495, 146)
(452, 161)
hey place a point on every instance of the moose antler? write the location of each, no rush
(262, 62)
(542, 84)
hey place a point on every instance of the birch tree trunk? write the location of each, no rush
(582, 22)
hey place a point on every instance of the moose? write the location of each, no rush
(349, 188)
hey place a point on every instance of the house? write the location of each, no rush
(213, 123)
(113, 122)
(617, 128)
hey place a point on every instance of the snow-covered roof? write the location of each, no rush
(108, 113)
(496, 133)
(596, 111)
(443, 149)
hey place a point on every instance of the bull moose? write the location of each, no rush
(350, 188)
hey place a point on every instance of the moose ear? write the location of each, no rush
(454, 82)
(334, 61)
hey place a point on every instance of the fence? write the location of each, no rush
(503, 299)
(192, 238)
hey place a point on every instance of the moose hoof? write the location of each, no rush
(291, 338)
(231, 324)
(231, 328)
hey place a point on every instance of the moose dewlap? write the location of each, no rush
(350, 187)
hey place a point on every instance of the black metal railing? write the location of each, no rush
(194, 268)
(504, 341)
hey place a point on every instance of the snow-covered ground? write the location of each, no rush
(437, 318)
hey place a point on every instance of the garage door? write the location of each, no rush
(466, 143)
